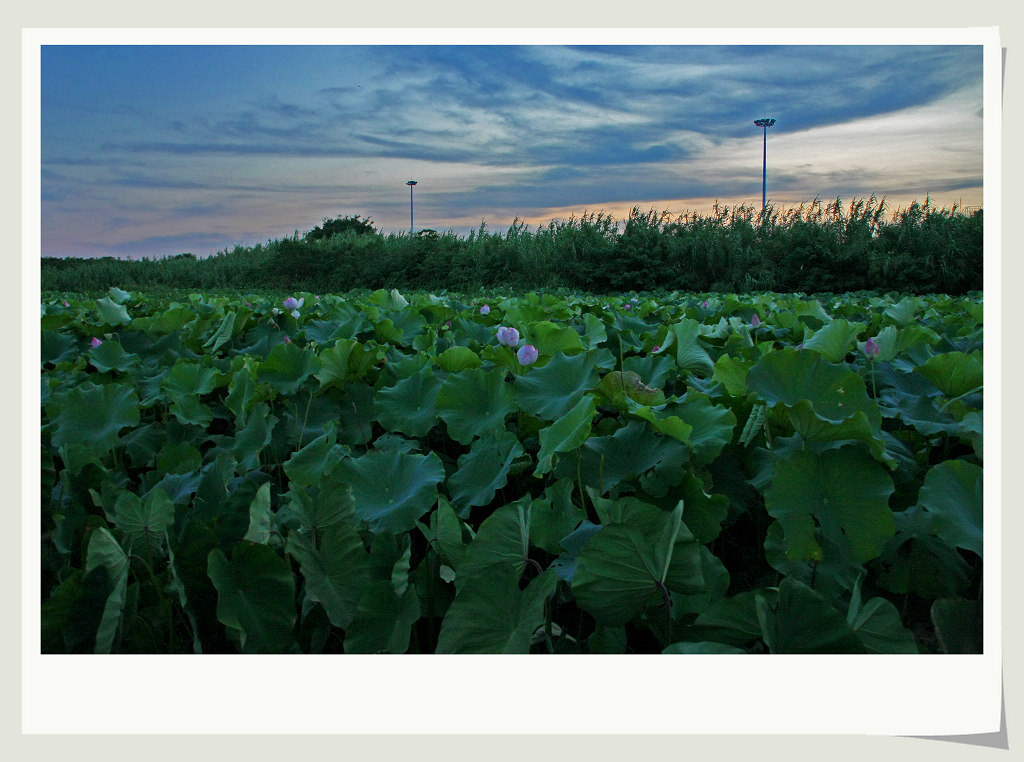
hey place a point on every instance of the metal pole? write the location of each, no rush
(764, 170)
(410, 183)
(765, 123)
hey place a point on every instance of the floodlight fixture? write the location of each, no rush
(410, 183)
(765, 123)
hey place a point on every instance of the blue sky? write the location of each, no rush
(160, 149)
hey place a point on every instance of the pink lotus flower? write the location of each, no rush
(485, 310)
(66, 304)
(527, 354)
(871, 349)
(95, 342)
(293, 304)
(704, 304)
(626, 307)
(508, 336)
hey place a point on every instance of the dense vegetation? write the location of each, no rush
(692, 473)
(823, 248)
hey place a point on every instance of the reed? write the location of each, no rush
(811, 248)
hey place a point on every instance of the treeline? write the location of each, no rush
(821, 247)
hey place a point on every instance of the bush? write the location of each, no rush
(820, 248)
(341, 225)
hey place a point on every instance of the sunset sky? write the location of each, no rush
(156, 150)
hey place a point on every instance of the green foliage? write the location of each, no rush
(375, 473)
(815, 248)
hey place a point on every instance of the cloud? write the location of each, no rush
(195, 137)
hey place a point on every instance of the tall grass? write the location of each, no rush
(817, 247)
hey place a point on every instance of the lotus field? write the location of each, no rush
(536, 473)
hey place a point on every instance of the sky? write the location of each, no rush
(156, 150)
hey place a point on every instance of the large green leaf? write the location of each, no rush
(255, 596)
(408, 406)
(260, 516)
(110, 313)
(383, 621)
(455, 359)
(550, 392)
(845, 490)
(323, 506)
(565, 434)
(188, 379)
(732, 620)
(711, 425)
(554, 516)
(731, 372)
(110, 355)
(143, 523)
(834, 340)
(474, 401)
(626, 390)
(803, 622)
(958, 625)
(502, 542)
(551, 338)
(392, 489)
(347, 360)
(630, 453)
(813, 428)
(834, 576)
(788, 376)
(952, 494)
(222, 335)
(484, 469)
(336, 573)
(704, 513)
(878, 625)
(105, 553)
(252, 438)
(287, 366)
(623, 568)
(490, 615)
(316, 460)
(93, 414)
(954, 373)
(661, 421)
(917, 561)
(691, 355)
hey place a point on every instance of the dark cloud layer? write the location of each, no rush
(485, 128)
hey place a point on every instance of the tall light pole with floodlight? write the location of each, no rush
(410, 183)
(766, 123)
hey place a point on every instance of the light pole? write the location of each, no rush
(410, 183)
(766, 123)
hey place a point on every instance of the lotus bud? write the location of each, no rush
(286, 339)
(485, 310)
(293, 304)
(508, 336)
(95, 342)
(755, 321)
(527, 355)
(871, 349)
